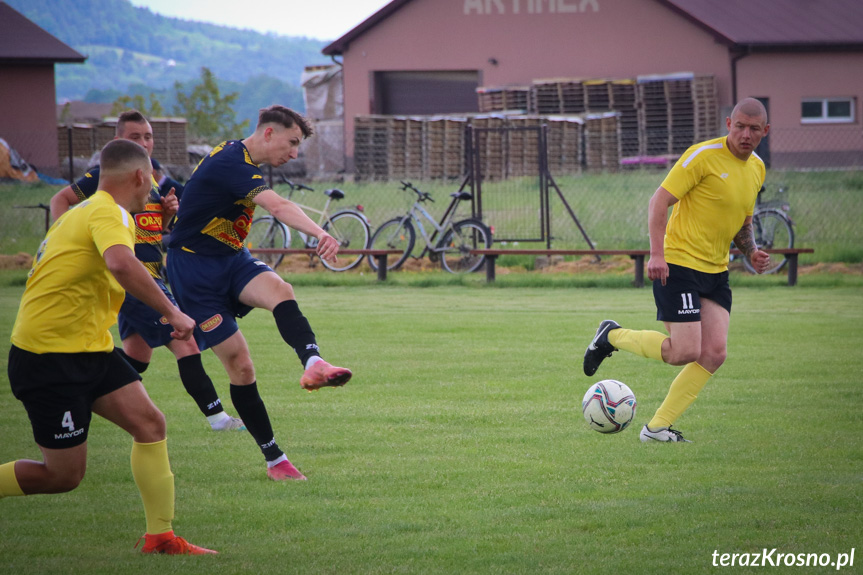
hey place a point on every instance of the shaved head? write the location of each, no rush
(123, 156)
(750, 107)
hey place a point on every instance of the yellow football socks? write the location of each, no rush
(152, 472)
(8, 482)
(684, 389)
(645, 343)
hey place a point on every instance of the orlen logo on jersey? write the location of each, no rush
(212, 323)
(149, 221)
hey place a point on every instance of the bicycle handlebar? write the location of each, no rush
(294, 186)
(423, 196)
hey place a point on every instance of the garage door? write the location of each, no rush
(426, 92)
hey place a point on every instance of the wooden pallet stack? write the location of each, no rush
(372, 136)
(624, 101)
(522, 146)
(170, 141)
(597, 95)
(396, 147)
(652, 118)
(454, 147)
(681, 119)
(676, 111)
(434, 149)
(83, 144)
(706, 108)
(389, 147)
(557, 96)
(491, 146)
(413, 152)
(503, 98)
(564, 144)
(602, 142)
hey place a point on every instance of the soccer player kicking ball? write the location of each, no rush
(63, 365)
(712, 189)
(216, 279)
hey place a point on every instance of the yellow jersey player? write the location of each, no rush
(712, 189)
(141, 328)
(63, 365)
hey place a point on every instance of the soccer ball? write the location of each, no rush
(608, 406)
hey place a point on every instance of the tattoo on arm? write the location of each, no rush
(745, 241)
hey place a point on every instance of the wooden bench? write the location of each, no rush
(638, 256)
(791, 255)
(379, 255)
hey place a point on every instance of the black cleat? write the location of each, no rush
(599, 348)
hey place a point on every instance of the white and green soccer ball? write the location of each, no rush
(608, 406)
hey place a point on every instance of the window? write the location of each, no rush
(827, 110)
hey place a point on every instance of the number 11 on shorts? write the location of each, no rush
(687, 300)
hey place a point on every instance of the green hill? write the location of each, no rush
(132, 51)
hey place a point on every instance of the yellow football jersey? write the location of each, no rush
(717, 191)
(71, 299)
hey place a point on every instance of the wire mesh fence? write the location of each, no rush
(819, 169)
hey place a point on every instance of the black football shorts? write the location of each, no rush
(58, 390)
(679, 300)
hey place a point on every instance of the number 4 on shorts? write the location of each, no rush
(67, 421)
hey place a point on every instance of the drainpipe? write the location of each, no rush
(734, 60)
(344, 125)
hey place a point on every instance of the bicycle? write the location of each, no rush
(349, 227)
(772, 228)
(457, 239)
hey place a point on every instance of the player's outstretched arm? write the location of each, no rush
(135, 279)
(293, 216)
(62, 201)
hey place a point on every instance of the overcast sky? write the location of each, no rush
(320, 19)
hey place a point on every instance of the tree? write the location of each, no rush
(152, 110)
(210, 116)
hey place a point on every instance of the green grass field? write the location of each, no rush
(459, 446)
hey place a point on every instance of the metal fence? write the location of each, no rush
(819, 170)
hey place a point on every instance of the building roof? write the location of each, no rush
(76, 112)
(791, 24)
(740, 24)
(22, 41)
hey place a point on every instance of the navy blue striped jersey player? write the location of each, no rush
(217, 202)
(137, 318)
(216, 280)
(148, 224)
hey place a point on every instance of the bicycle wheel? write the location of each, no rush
(352, 232)
(456, 244)
(395, 234)
(772, 229)
(268, 232)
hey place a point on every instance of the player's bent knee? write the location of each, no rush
(63, 481)
(151, 427)
(66, 484)
(287, 291)
(682, 356)
(712, 360)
